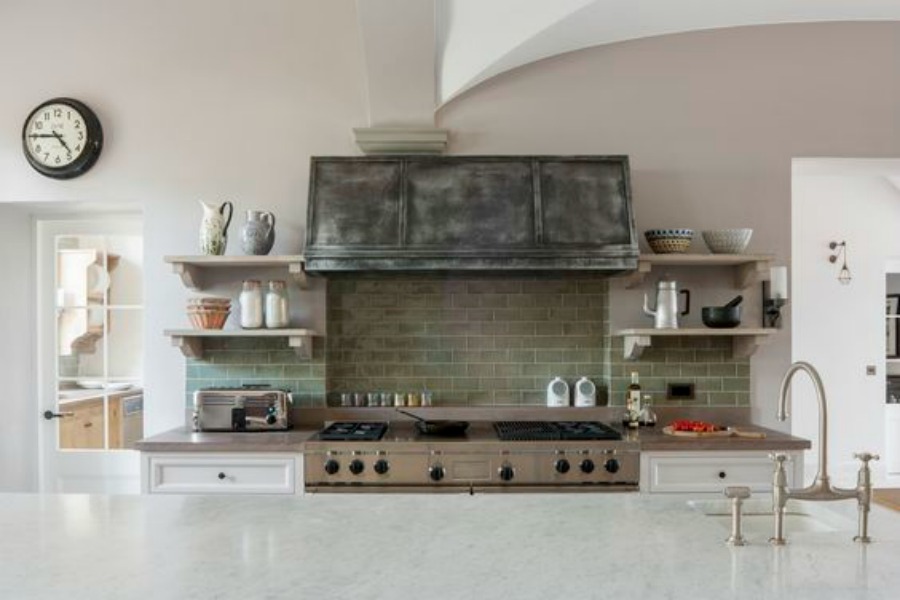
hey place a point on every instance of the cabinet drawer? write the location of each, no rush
(221, 475)
(710, 473)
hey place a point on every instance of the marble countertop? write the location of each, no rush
(433, 546)
(183, 439)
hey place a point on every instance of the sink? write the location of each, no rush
(758, 522)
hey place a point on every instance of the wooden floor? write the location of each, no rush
(889, 498)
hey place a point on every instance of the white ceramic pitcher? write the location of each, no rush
(214, 228)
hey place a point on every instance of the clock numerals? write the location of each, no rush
(62, 138)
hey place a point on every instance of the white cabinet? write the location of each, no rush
(220, 473)
(892, 438)
(712, 472)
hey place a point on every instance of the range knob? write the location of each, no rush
(381, 466)
(332, 466)
(356, 466)
(506, 472)
(587, 466)
(271, 419)
(562, 465)
(611, 466)
(436, 472)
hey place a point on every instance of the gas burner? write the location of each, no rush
(353, 431)
(528, 431)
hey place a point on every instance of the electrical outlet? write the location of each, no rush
(679, 391)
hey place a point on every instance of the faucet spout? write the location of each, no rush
(822, 473)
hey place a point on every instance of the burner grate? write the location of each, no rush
(530, 431)
(354, 431)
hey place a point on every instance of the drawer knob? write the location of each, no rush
(222, 476)
(722, 474)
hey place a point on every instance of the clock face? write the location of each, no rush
(62, 138)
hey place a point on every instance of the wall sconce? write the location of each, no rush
(840, 250)
(775, 296)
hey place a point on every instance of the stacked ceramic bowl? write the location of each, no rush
(669, 241)
(727, 241)
(208, 313)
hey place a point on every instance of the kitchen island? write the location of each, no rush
(521, 546)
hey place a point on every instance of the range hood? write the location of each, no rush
(470, 213)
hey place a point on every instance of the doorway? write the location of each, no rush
(90, 357)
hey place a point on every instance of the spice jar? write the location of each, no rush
(276, 305)
(251, 302)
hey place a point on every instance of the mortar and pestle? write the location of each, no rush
(723, 317)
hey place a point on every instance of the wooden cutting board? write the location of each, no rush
(729, 432)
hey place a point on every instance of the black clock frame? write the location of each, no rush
(92, 146)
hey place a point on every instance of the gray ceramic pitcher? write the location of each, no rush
(258, 233)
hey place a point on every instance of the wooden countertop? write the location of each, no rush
(649, 439)
(183, 439)
(652, 439)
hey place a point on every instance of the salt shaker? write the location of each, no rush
(276, 305)
(251, 302)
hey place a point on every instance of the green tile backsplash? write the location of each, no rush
(239, 361)
(472, 341)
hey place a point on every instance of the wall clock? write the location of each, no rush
(62, 138)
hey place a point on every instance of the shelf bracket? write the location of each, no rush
(745, 346)
(191, 347)
(751, 274)
(302, 345)
(636, 278)
(190, 275)
(634, 346)
(299, 274)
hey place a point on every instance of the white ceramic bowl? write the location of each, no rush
(727, 241)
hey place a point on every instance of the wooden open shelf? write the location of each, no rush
(191, 268)
(745, 339)
(190, 341)
(749, 269)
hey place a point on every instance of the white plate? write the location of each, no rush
(90, 384)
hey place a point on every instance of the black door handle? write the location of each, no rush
(50, 415)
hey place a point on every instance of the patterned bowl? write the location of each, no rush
(727, 241)
(669, 241)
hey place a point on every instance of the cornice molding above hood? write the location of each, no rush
(470, 213)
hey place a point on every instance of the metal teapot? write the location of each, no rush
(666, 314)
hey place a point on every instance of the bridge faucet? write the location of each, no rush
(821, 488)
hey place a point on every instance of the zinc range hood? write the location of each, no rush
(470, 213)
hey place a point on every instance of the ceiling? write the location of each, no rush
(479, 39)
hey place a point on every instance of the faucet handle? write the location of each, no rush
(866, 456)
(737, 491)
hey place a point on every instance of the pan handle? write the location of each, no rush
(409, 414)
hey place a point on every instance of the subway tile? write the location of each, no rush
(510, 335)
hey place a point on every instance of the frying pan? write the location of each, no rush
(437, 427)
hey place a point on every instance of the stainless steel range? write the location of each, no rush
(490, 456)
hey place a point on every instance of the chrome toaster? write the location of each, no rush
(242, 409)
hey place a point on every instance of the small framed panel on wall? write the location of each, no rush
(892, 319)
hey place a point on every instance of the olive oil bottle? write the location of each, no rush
(633, 401)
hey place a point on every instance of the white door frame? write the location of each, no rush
(83, 471)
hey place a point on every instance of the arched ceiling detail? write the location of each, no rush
(479, 39)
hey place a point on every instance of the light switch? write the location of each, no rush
(870, 369)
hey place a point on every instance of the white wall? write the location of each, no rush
(18, 427)
(840, 328)
(207, 99)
